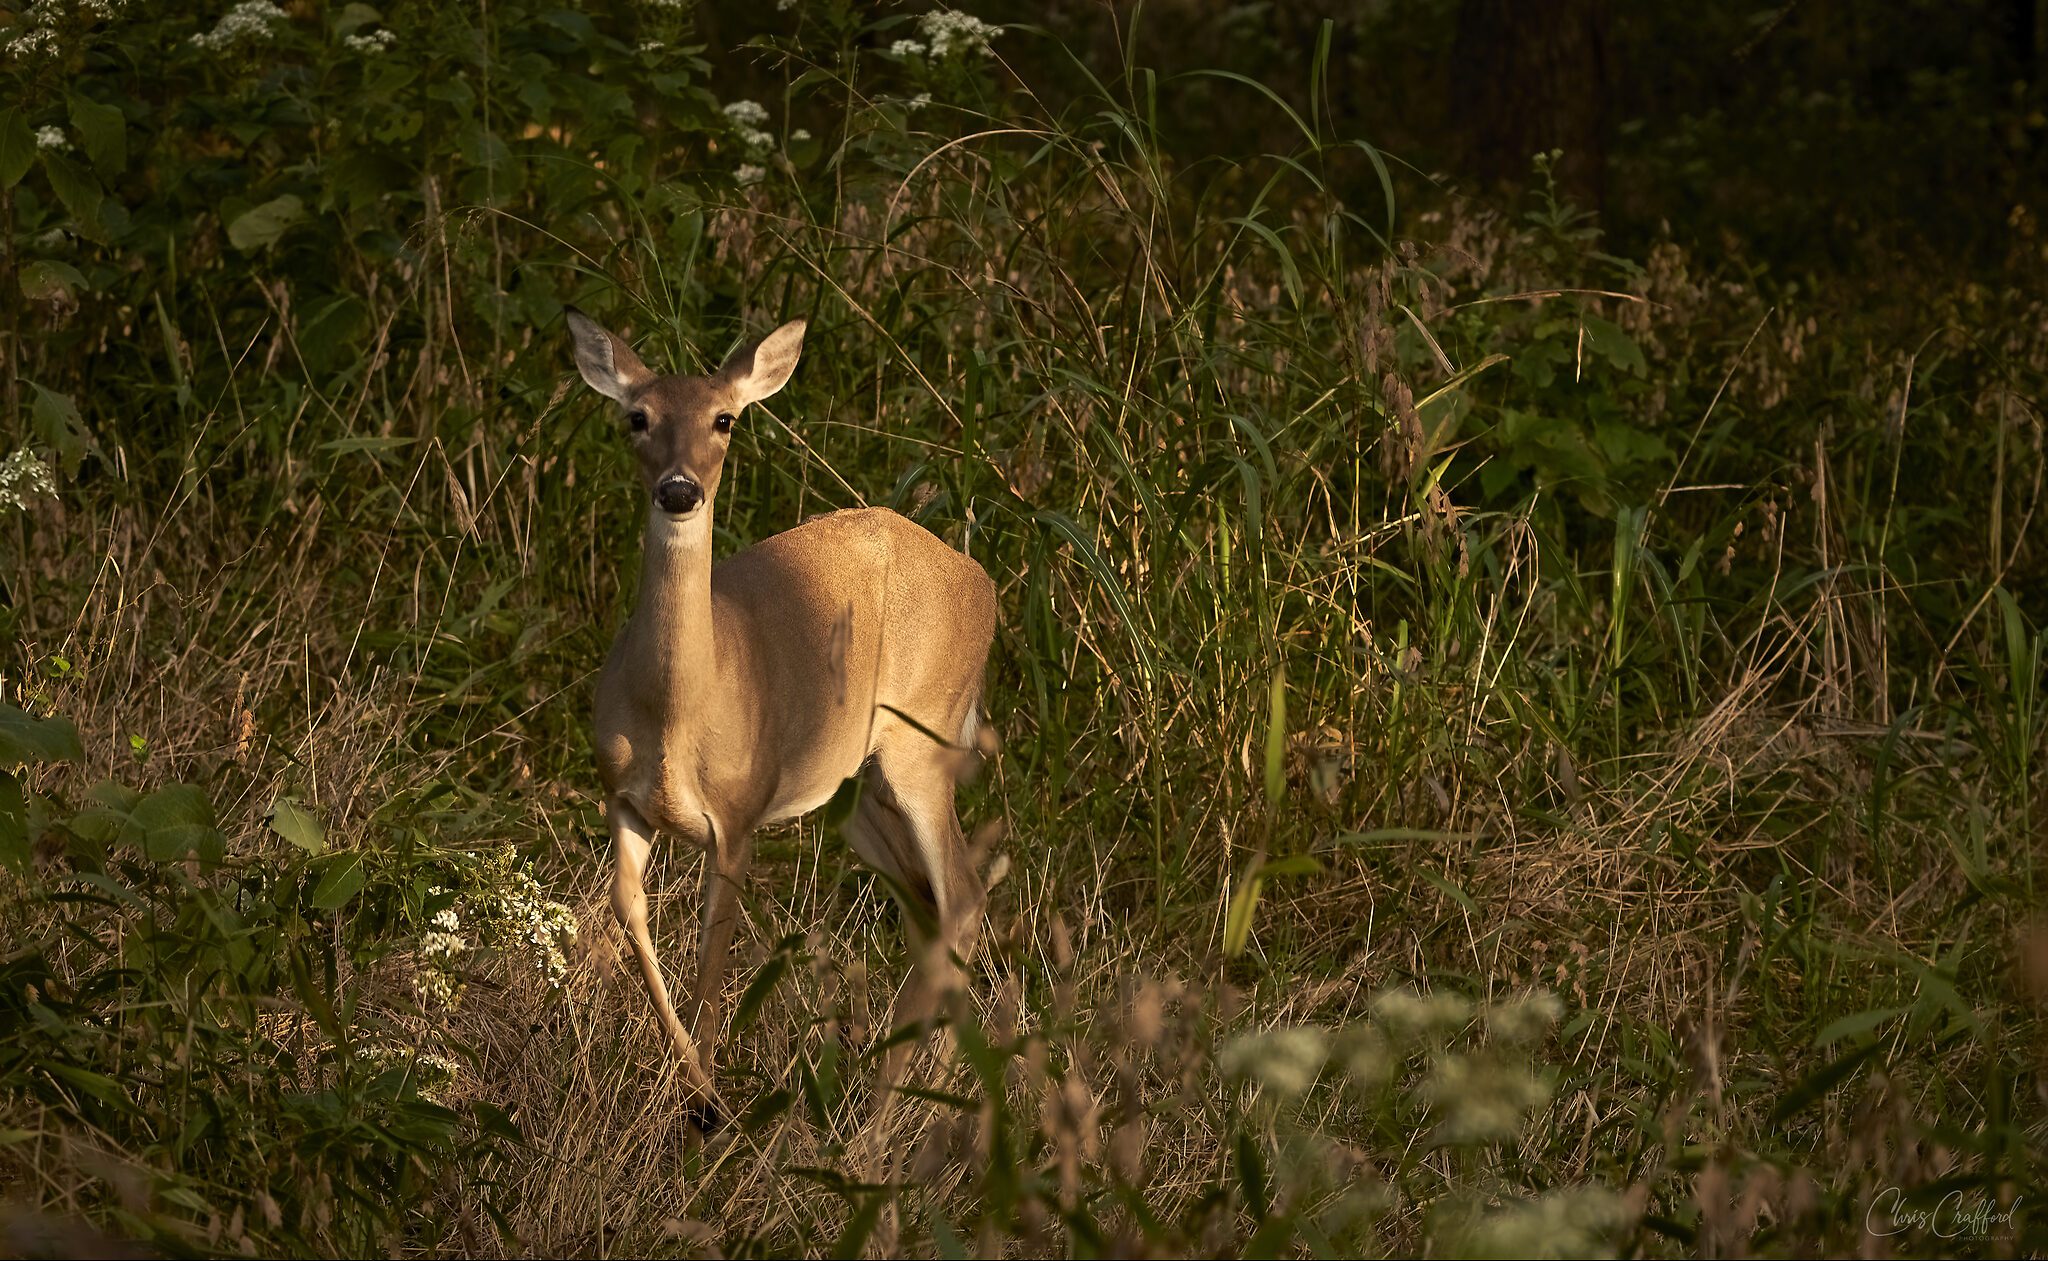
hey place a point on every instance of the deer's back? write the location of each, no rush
(844, 614)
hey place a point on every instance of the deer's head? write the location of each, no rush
(680, 426)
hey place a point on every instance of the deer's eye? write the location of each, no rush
(722, 422)
(638, 420)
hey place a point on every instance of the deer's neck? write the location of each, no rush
(672, 621)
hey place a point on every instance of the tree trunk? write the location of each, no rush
(1530, 76)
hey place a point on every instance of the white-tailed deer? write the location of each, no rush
(746, 692)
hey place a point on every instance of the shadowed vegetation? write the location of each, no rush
(1513, 740)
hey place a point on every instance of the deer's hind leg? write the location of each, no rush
(906, 828)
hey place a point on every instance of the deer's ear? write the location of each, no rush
(757, 371)
(607, 363)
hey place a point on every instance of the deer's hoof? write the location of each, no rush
(705, 1116)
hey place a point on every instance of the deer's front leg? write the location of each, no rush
(632, 846)
(725, 871)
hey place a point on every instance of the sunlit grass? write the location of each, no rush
(1396, 642)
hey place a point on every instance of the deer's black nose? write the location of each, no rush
(679, 495)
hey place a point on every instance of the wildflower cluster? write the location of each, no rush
(374, 44)
(252, 21)
(438, 979)
(37, 30)
(30, 42)
(52, 137)
(749, 118)
(24, 476)
(431, 1074)
(513, 915)
(947, 33)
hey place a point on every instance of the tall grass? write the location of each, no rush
(1411, 613)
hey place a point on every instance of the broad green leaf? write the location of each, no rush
(49, 280)
(343, 879)
(493, 1120)
(262, 226)
(297, 824)
(61, 426)
(353, 17)
(1605, 338)
(102, 131)
(77, 189)
(172, 822)
(26, 738)
(17, 147)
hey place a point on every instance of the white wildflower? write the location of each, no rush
(917, 102)
(747, 113)
(371, 45)
(440, 946)
(446, 920)
(431, 1073)
(24, 476)
(799, 136)
(515, 915)
(30, 43)
(906, 48)
(251, 21)
(34, 33)
(52, 137)
(435, 987)
(784, 6)
(750, 174)
(950, 31)
(651, 45)
(747, 118)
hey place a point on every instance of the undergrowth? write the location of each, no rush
(1507, 746)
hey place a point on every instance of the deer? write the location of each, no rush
(745, 692)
